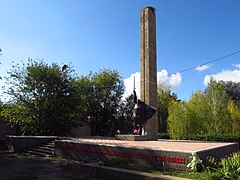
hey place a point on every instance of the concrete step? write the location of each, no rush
(38, 153)
(46, 150)
(48, 145)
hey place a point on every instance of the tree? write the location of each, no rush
(16, 115)
(233, 90)
(101, 93)
(217, 101)
(46, 94)
(177, 120)
(206, 112)
(165, 97)
(125, 119)
(235, 116)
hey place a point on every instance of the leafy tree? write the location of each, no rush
(46, 94)
(198, 112)
(16, 115)
(217, 101)
(125, 120)
(101, 93)
(235, 116)
(207, 112)
(165, 97)
(233, 90)
(177, 120)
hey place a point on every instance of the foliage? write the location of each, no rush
(228, 167)
(231, 166)
(50, 100)
(225, 168)
(235, 116)
(163, 136)
(198, 111)
(217, 101)
(125, 120)
(165, 97)
(215, 137)
(177, 121)
(46, 95)
(101, 95)
(207, 112)
(233, 90)
(16, 115)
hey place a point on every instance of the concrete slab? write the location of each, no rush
(131, 137)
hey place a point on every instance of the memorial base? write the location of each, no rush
(166, 154)
(126, 137)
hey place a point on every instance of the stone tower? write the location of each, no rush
(148, 61)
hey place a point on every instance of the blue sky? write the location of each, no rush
(95, 34)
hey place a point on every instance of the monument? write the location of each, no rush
(148, 63)
(146, 120)
(166, 154)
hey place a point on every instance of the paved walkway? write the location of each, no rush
(21, 166)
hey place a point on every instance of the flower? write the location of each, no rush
(136, 131)
(195, 162)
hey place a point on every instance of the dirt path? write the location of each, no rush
(29, 167)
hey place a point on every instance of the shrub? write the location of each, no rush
(228, 167)
(216, 137)
(231, 166)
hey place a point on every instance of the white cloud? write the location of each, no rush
(162, 76)
(225, 75)
(173, 80)
(128, 82)
(237, 65)
(202, 68)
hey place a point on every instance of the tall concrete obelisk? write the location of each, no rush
(148, 61)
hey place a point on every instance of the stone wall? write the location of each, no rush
(87, 151)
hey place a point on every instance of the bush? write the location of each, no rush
(231, 166)
(163, 136)
(228, 167)
(216, 137)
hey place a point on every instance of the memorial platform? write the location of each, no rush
(165, 153)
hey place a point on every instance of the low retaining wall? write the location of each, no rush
(218, 152)
(131, 137)
(83, 151)
(161, 155)
(20, 143)
(109, 173)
